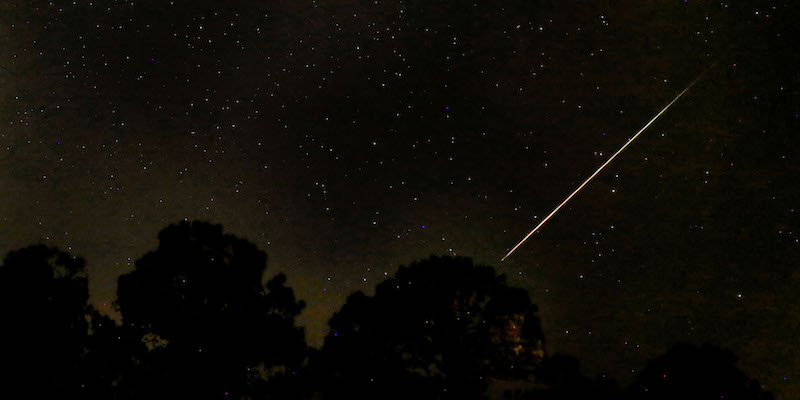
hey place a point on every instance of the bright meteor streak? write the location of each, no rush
(604, 165)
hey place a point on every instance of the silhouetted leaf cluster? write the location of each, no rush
(43, 304)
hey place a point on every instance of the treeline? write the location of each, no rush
(199, 323)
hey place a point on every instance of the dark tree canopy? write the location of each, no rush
(199, 323)
(43, 309)
(690, 372)
(213, 329)
(440, 328)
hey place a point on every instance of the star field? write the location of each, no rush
(346, 138)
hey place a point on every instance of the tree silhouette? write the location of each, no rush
(440, 328)
(43, 306)
(210, 327)
(689, 372)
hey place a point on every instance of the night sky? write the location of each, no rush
(348, 137)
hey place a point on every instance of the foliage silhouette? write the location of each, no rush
(199, 323)
(210, 327)
(43, 306)
(690, 372)
(440, 328)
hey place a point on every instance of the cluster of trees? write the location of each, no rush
(199, 323)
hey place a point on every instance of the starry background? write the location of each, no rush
(347, 137)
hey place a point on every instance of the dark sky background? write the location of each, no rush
(347, 137)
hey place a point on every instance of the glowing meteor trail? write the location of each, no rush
(604, 165)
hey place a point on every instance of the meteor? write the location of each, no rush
(606, 163)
